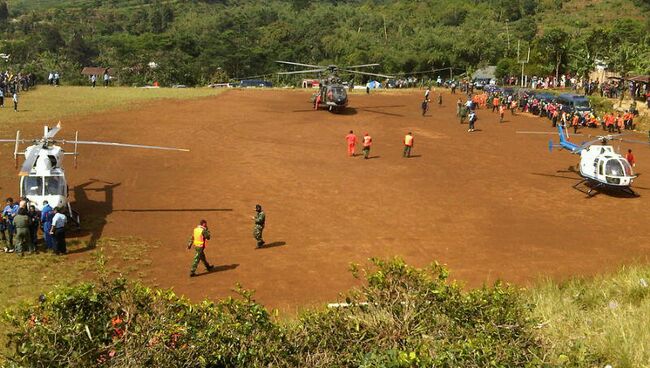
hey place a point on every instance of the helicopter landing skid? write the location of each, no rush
(593, 190)
(74, 216)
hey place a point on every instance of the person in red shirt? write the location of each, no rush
(317, 102)
(619, 123)
(367, 142)
(352, 143)
(630, 158)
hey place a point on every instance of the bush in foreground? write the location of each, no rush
(403, 317)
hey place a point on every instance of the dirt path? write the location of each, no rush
(491, 204)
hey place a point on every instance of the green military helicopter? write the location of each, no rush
(331, 94)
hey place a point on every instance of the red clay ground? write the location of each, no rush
(491, 204)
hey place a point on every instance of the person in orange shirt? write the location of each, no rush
(502, 110)
(408, 144)
(574, 123)
(630, 158)
(367, 142)
(619, 123)
(495, 103)
(352, 143)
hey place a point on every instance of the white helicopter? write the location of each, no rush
(600, 166)
(42, 177)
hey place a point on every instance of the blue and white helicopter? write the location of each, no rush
(600, 166)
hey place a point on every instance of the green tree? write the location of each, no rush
(555, 45)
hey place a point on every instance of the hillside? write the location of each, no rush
(191, 39)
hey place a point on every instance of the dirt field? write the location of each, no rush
(490, 204)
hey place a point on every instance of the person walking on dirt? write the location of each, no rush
(259, 221)
(352, 143)
(317, 102)
(472, 121)
(15, 99)
(367, 142)
(426, 94)
(21, 222)
(408, 145)
(440, 99)
(502, 111)
(199, 239)
(425, 106)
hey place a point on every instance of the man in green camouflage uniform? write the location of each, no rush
(258, 228)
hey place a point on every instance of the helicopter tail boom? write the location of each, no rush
(564, 143)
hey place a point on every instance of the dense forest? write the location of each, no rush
(197, 42)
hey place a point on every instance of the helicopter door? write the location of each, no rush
(601, 164)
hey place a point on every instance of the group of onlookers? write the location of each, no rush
(20, 224)
(11, 84)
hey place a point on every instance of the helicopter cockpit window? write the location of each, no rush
(32, 185)
(626, 167)
(614, 168)
(54, 185)
(338, 92)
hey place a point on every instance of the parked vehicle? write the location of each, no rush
(574, 103)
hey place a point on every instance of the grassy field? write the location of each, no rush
(49, 104)
(605, 319)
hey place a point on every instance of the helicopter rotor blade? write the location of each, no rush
(299, 64)
(303, 71)
(114, 144)
(365, 73)
(544, 133)
(52, 132)
(361, 66)
(29, 161)
(635, 141)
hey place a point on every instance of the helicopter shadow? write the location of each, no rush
(96, 212)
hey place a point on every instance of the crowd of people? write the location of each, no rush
(11, 84)
(498, 101)
(20, 224)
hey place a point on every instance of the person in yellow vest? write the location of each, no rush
(408, 144)
(199, 239)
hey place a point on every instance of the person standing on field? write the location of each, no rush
(259, 221)
(199, 239)
(408, 145)
(352, 143)
(107, 78)
(93, 80)
(630, 158)
(58, 231)
(15, 99)
(367, 142)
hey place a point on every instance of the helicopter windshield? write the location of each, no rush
(32, 186)
(54, 185)
(614, 168)
(626, 167)
(338, 93)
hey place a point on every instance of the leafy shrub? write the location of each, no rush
(403, 317)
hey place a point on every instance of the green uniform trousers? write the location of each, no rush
(199, 255)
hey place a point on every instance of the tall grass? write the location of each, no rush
(604, 320)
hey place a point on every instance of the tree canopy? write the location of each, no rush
(193, 40)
